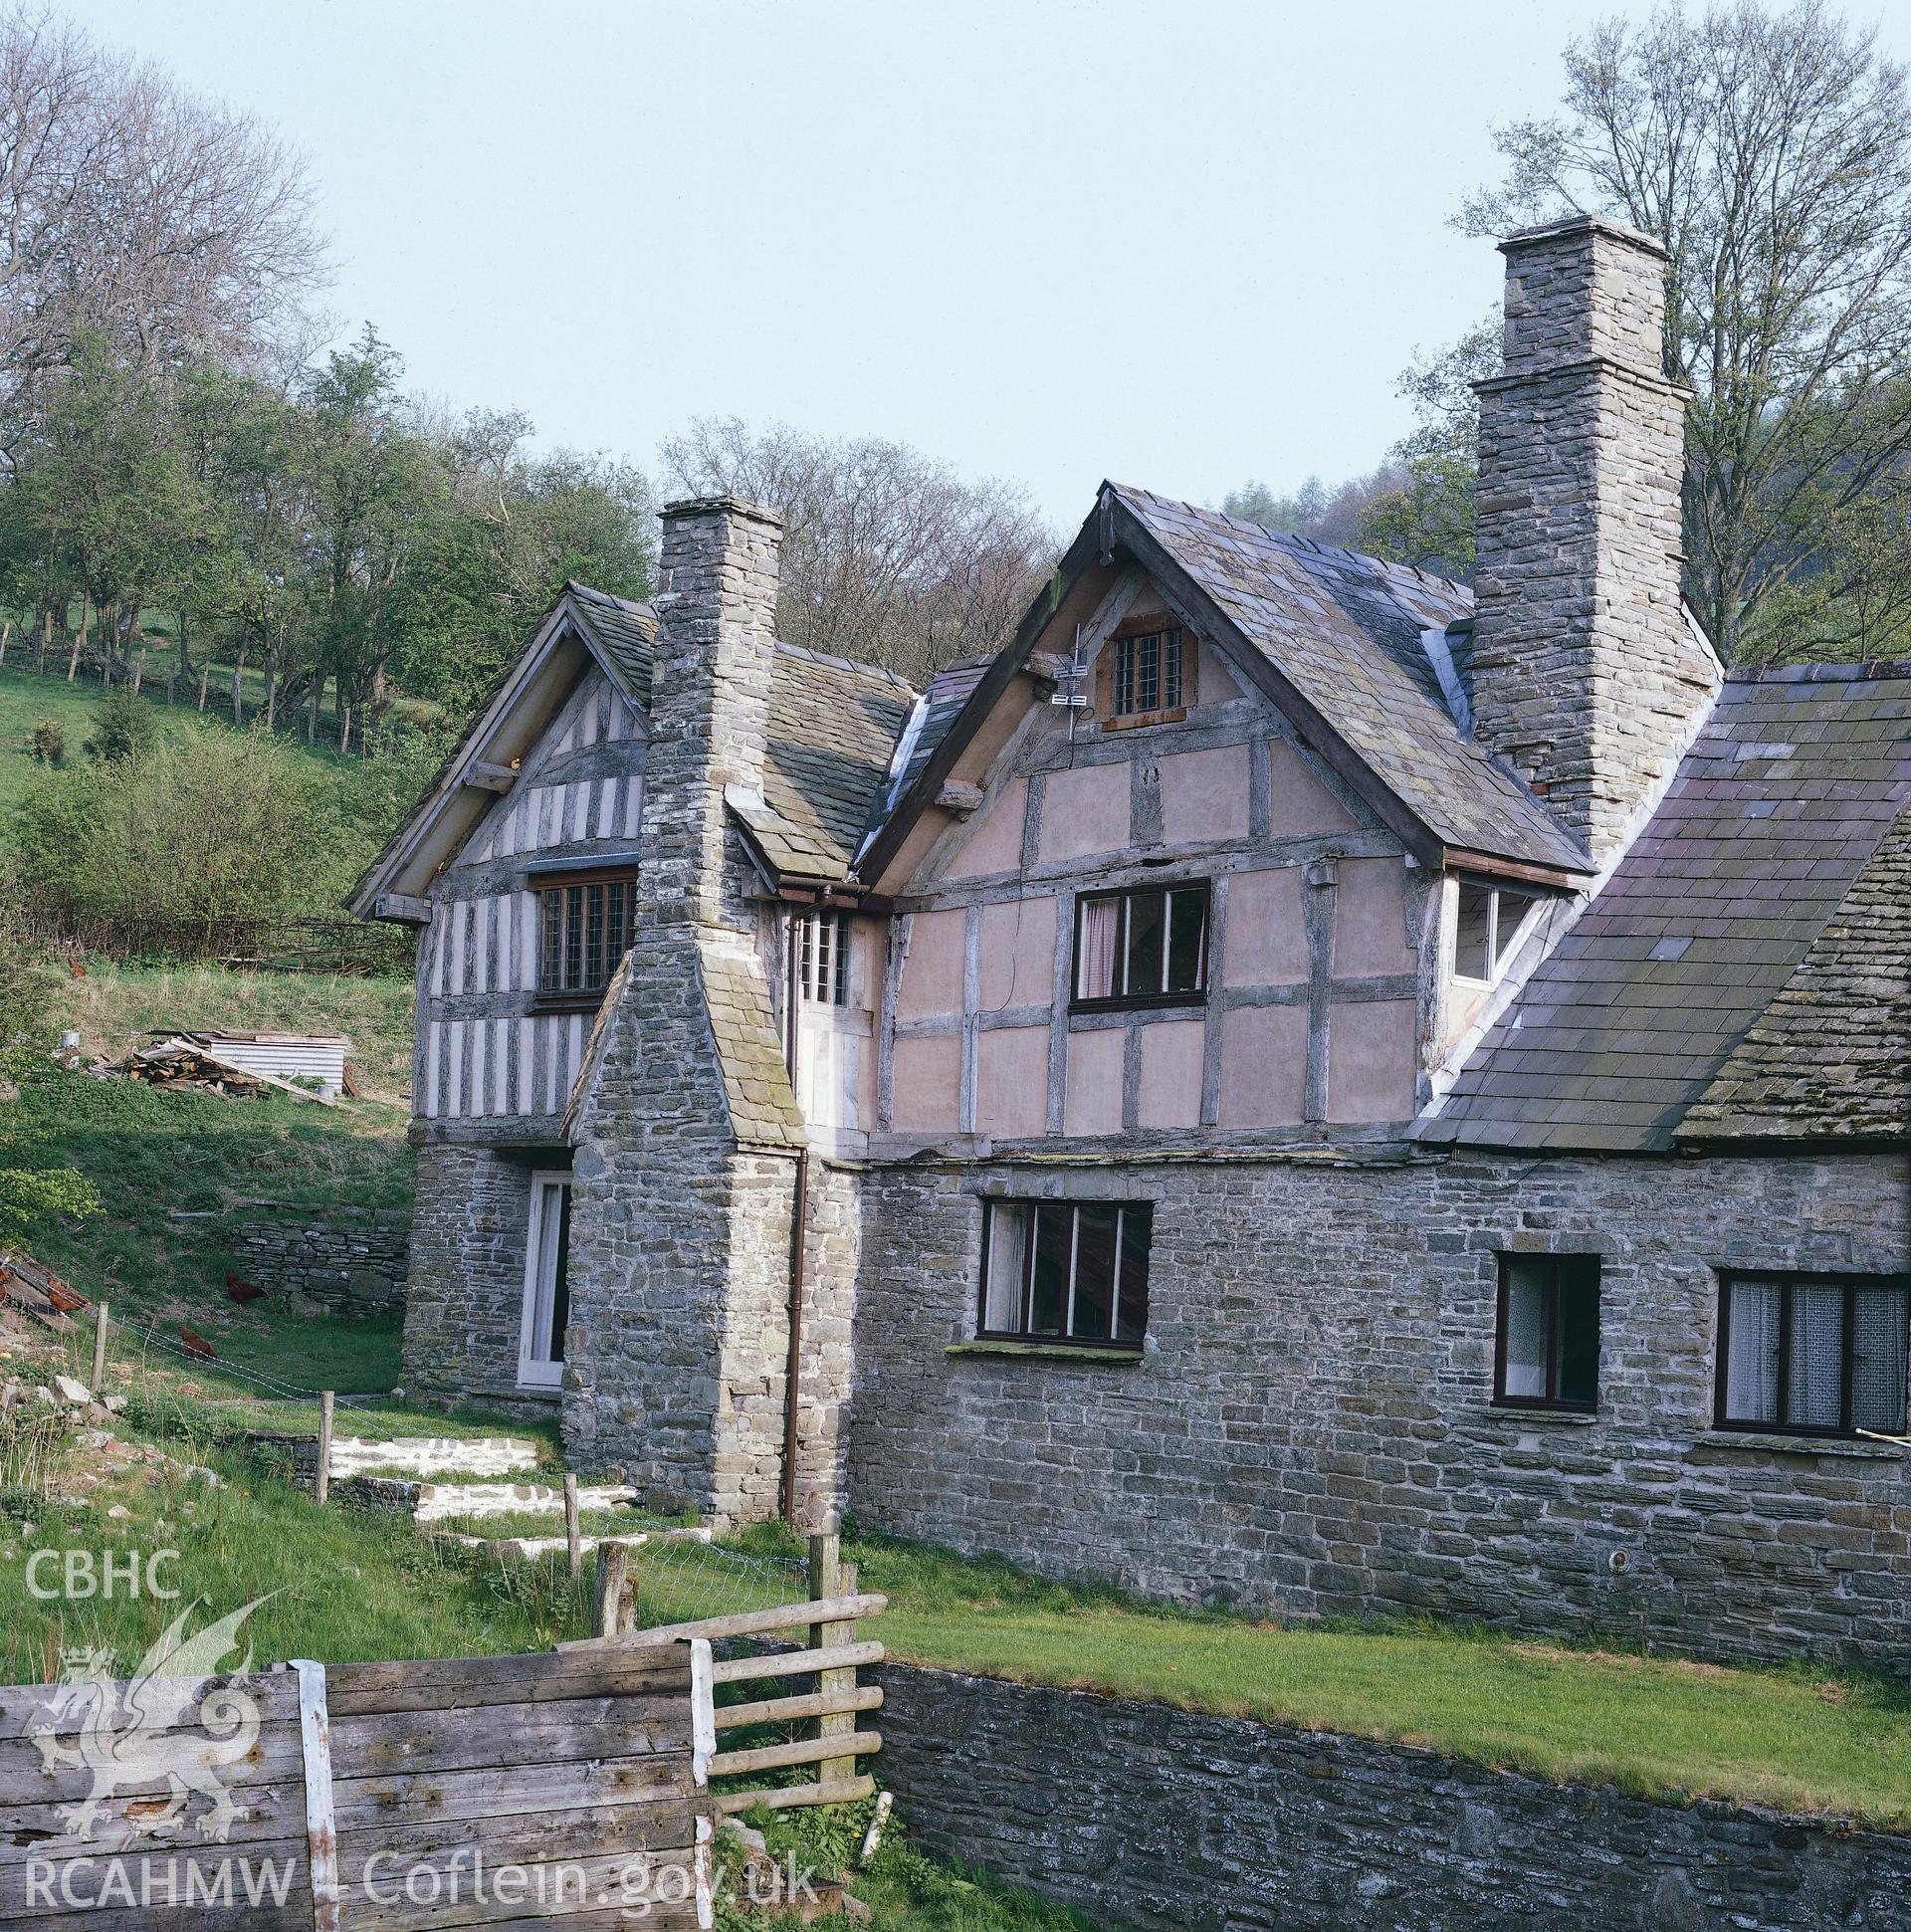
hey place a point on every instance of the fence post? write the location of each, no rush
(101, 1316)
(322, 1488)
(830, 1575)
(573, 1541)
(613, 1569)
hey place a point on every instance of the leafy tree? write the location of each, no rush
(1770, 152)
(1321, 515)
(123, 727)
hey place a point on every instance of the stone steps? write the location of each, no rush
(434, 1502)
(434, 1456)
(530, 1546)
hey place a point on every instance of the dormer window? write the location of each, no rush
(1493, 920)
(1146, 681)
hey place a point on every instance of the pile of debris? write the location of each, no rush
(182, 1061)
(34, 1287)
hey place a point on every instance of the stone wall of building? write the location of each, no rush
(353, 1260)
(1146, 1815)
(465, 1298)
(1310, 1429)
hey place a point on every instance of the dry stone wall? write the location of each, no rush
(1145, 1816)
(354, 1261)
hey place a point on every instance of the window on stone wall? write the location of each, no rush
(1548, 1350)
(1147, 948)
(547, 1311)
(1492, 921)
(1066, 1272)
(583, 933)
(1813, 1355)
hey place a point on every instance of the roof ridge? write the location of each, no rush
(1815, 673)
(847, 664)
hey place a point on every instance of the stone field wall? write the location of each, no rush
(1143, 1815)
(354, 1261)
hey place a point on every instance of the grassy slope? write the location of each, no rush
(148, 1152)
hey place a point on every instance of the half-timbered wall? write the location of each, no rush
(1323, 936)
(489, 1064)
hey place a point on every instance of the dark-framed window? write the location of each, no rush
(1148, 672)
(1813, 1355)
(822, 957)
(1065, 1271)
(1547, 1348)
(583, 933)
(1147, 947)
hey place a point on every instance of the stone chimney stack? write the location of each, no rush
(1587, 677)
(709, 697)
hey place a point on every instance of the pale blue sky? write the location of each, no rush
(1174, 243)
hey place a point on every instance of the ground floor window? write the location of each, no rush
(1066, 1271)
(1813, 1355)
(540, 1349)
(1547, 1353)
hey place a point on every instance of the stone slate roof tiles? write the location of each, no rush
(762, 1105)
(1345, 631)
(834, 731)
(1699, 977)
(1830, 1056)
(622, 631)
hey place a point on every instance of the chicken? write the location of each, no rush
(196, 1345)
(242, 1291)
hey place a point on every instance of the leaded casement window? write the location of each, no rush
(1148, 672)
(1547, 1353)
(546, 1309)
(583, 935)
(1813, 1355)
(1065, 1271)
(822, 957)
(1145, 947)
(1492, 921)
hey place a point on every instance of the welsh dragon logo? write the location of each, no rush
(167, 1726)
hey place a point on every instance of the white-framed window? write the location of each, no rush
(822, 957)
(540, 1345)
(1492, 921)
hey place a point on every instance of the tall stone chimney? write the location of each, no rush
(1587, 677)
(684, 1131)
(709, 696)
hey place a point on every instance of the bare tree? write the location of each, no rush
(130, 209)
(888, 557)
(1770, 152)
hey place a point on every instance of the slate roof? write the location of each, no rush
(1345, 631)
(762, 1105)
(1692, 946)
(623, 632)
(1831, 1057)
(833, 731)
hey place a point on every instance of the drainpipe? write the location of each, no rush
(798, 1222)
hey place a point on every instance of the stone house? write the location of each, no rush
(1295, 1084)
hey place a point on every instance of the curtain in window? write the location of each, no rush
(1814, 1396)
(1752, 1366)
(1100, 934)
(1526, 1298)
(1879, 1364)
(1007, 1270)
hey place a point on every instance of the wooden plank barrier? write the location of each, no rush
(365, 1798)
(832, 1657)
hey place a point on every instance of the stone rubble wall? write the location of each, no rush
(1310, 1430)
(354, 1261)
(1145, 1816)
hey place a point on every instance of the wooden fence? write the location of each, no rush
(365, 1798)
(829, 1712)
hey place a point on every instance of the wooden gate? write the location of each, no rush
(365, 1798)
